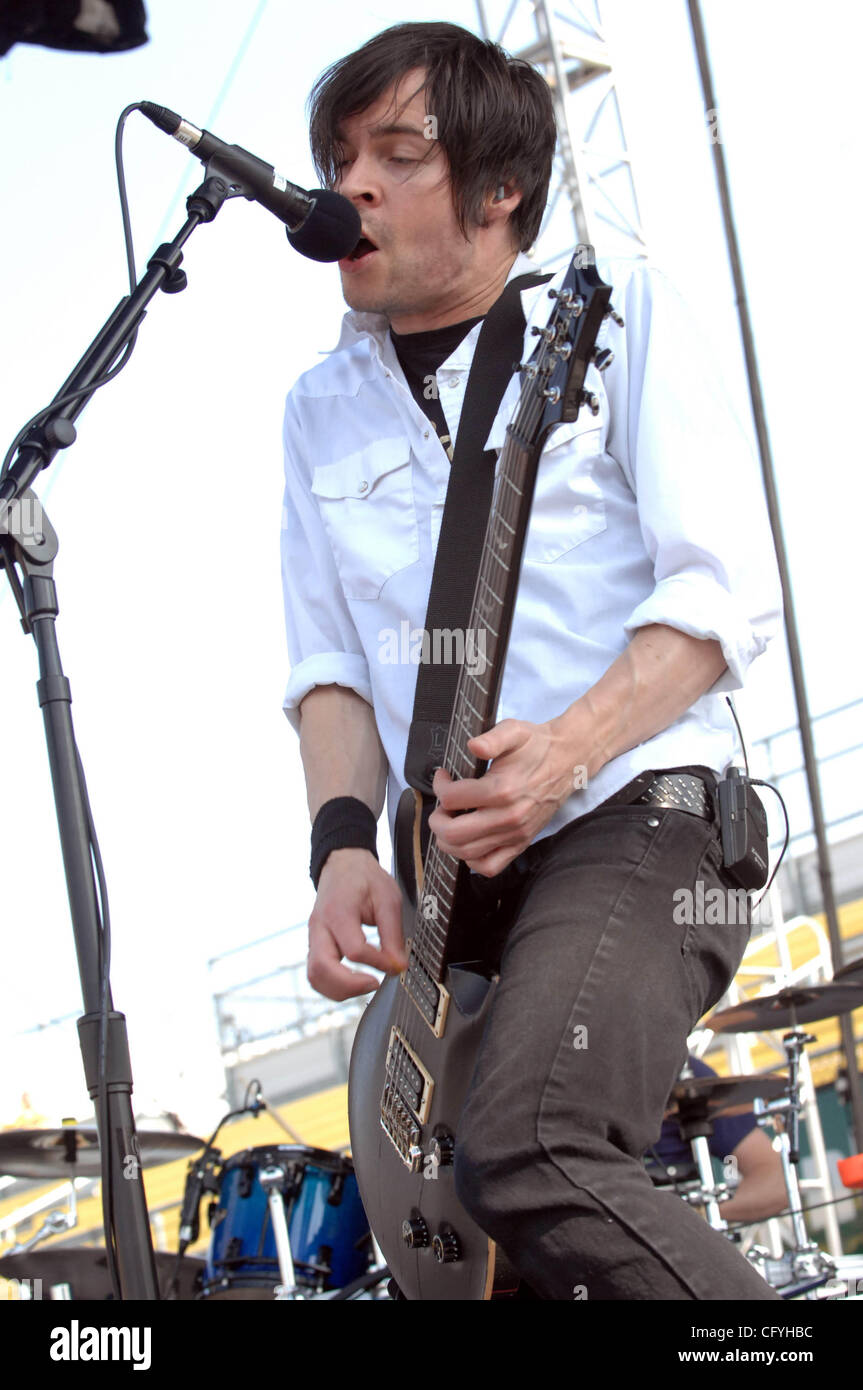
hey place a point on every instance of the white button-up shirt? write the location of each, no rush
(650, 512)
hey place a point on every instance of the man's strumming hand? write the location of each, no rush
(353, 889)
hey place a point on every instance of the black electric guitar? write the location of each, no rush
(416, 1046)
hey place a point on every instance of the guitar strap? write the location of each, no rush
(459, 549)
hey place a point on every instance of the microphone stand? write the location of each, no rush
(33, 550)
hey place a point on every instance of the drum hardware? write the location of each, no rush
(73, 1151)
(286, 1220)
(790, 1007)
(288, 1224)
(795, 1273)
(696, 1128)
(723, 1095)
(697, 1102)
(850, 973)
(847, 1280)
(805, 1267)
(808, 1263)
(54, 1224)
(362, 1287)
(273, 1181)
(63, 1273)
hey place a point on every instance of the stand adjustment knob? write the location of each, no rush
(59, 432)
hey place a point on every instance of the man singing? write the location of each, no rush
(647, 589)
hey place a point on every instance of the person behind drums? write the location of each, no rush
(742, 1148)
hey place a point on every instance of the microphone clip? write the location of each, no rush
(220, 184)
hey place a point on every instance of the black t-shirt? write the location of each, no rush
(420, 355)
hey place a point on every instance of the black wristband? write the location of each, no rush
(343, 823)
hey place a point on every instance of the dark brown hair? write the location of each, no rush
(495, 115)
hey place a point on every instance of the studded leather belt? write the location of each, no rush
(678, 791)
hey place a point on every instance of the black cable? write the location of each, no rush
(849, 1196)
(254, 1107)
(125, 348)
(730, 705)
(121, 188)
(104, 926)
(365, 1281)
(757, 782)
(100, 886)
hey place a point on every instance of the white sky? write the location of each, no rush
(168, 507)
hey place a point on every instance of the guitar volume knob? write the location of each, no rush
(443, 1150)
(415, 1233)
(445, 1248)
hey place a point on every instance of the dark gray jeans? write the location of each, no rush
(599, 988)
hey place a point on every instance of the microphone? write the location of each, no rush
(321, 224)
(190, 1211)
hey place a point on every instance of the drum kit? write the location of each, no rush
(286, 1221)
(803, 1270)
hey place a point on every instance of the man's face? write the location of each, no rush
(422, 270)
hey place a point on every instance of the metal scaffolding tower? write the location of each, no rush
(592, 188)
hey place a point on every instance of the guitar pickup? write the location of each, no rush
(430, 997)
(406, 1099)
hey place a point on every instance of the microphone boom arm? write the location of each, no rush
(37, 602)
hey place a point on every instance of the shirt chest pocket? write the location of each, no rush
(367, 506)
(568, 506)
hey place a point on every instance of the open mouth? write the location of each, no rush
(364, 247)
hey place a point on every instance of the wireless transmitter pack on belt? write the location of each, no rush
(743, 824)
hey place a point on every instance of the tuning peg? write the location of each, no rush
(602, 358)
(591, 401)
(611, 313)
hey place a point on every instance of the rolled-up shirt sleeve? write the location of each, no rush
(692, 468)
(323, 645)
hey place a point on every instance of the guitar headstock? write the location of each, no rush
(553, 390)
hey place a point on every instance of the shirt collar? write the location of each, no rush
(358, 325)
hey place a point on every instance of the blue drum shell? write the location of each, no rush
(323, 1233)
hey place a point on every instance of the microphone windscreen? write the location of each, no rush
(331, 230)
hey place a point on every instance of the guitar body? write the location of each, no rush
(415, 1050)
(391, 1193)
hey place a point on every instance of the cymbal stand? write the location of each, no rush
(805, 1260)
(696, 1127)
(55, 1223)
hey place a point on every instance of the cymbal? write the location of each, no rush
(723, 1095)
(850, 973)
(797, 1004)
(73, 1152)
(85, 1269)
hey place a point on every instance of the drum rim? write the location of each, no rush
(311, 1157)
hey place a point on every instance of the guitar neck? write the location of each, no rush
(480, 676)
(552, 391)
